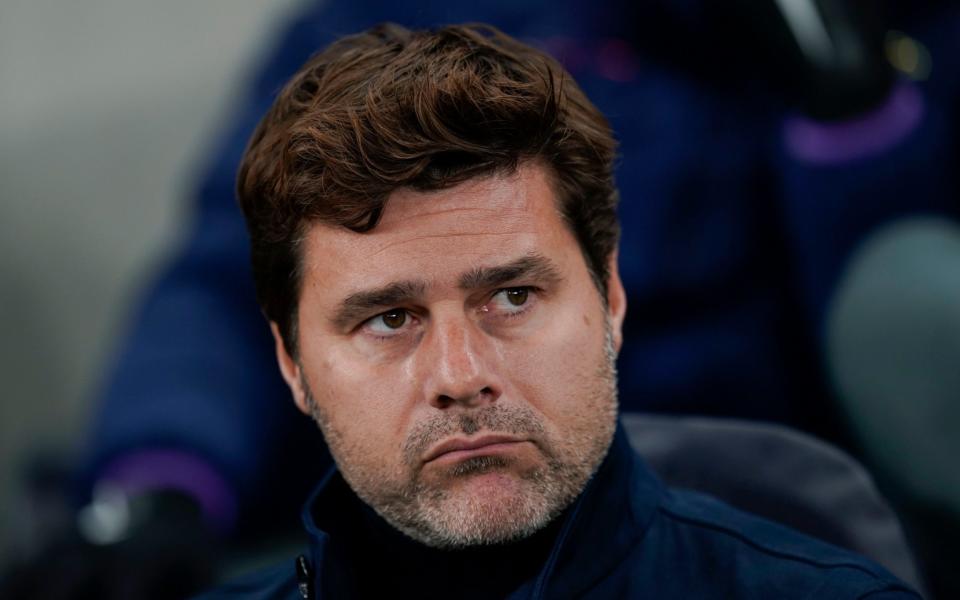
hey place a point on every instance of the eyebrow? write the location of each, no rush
(361, 305)
(532, 266)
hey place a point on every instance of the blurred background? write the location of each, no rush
(106, 110)
(790, 248)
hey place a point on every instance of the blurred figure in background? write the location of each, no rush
(761, 143)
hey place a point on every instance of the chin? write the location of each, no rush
(485, 507)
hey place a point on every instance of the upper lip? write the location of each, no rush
(468, 444)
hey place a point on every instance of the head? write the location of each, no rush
(433, 227)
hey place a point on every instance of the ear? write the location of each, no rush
(290, 369)
(616, 301)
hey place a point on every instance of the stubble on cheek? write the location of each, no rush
(358, 462)
(431, 505)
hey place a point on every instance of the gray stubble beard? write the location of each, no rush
(431, 516)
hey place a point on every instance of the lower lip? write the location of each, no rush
(458, 455)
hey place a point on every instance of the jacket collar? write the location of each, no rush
(605, 522)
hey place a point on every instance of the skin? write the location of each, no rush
(413, 335)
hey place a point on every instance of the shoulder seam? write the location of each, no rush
(902, 589)
(766, 549)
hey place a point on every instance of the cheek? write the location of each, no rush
(365, 405)
(555, 368)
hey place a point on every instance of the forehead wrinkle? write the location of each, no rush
(440, 236)
(407, 215)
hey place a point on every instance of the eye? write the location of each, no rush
(387, 323)
(510, 301)
(516, 296)
(394, 319)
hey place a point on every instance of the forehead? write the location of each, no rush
(440, 234)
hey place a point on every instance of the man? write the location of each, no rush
(433, 228)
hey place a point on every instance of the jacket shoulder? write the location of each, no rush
(760, 558)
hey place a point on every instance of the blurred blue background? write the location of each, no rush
(106, 106)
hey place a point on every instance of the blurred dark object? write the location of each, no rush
(934, 532)
(827, 57)
(894, 353)
(151, 547)
(801, 482)
(832, 51)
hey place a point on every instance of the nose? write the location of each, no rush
(457, 361)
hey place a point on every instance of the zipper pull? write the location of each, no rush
(304, 578)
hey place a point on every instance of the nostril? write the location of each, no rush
(486, 394)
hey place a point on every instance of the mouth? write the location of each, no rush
(458, 449)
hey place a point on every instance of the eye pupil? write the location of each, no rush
(517, 296)
(394, 319)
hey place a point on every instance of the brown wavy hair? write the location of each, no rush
(391, 108)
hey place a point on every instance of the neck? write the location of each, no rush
(386, 560)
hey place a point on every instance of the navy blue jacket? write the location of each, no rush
(626, 536)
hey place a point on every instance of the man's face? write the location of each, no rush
(459, 359)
